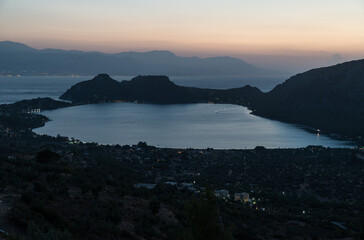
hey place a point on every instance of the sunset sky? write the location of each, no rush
(285, 29)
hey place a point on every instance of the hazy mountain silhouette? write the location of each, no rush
(8, 46)
(17, 58)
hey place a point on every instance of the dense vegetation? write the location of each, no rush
(61, 200)
(87, 192)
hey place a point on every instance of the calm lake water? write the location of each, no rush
(220, 126)
(14, 89)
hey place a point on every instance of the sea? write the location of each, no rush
(14, 89)
(218, 126)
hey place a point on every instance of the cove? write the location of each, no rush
(219, 126)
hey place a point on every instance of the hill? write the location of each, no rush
(37, 103)
(18, 58)
(330, 99)
(152, 89)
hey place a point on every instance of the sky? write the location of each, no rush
(280, 34)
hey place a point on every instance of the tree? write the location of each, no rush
(203, 220)
(47, 156)
(154, 206)
(37, 232)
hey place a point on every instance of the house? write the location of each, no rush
(171, 183)
(186, 185)
(243, 197)
(222, 193)
(145, 185)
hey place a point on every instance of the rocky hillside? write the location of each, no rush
(152, 89)
(330, 99)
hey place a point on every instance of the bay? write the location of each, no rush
(188, 125)
(219, 126)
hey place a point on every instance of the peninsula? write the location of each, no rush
(153, 89)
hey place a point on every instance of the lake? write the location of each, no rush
(220, 126)
(14, 89)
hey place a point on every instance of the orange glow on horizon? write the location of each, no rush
(188, 28)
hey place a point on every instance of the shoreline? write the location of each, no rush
(347, 143)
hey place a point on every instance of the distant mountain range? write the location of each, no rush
(18, 58)
(330, 99)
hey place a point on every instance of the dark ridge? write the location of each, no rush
(37, 103)
(152, 89)
(330, 99)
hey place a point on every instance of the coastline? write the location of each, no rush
(348, 142)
